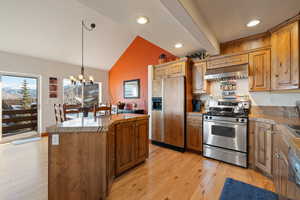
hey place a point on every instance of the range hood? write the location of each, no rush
(237, 72)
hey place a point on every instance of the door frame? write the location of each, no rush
(39, 98)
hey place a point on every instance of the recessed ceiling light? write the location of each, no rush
(178, 45)
(142, 20)
(252, 23)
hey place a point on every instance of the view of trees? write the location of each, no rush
(26, 98)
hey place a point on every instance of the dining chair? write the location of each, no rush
(58, 113)
(71, 109)
(106, 109)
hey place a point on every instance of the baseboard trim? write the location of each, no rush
(180, 149)
(44, 134)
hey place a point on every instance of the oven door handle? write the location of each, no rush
(226, 123)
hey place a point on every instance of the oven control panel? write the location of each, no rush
(225, 119)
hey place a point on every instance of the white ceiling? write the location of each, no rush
(228, 18)
(51, 29)
(163, 29)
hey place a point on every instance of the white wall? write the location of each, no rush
(45, 69)
(260, 98)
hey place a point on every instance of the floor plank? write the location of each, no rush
(166, 175)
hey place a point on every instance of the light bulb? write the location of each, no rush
(80, 77)
(91, 78)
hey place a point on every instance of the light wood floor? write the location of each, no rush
(166, 175)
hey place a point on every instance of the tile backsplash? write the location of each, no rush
(259, 98)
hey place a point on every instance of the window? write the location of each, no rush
(89, 95)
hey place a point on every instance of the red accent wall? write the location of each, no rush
(133, 64)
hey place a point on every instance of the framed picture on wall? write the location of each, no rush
(131, 89)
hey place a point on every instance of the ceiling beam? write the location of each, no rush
(188, 15)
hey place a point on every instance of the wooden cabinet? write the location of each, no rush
(285, 57)
(251, 144)
(283, 185)
(198, 72)
(171, 69)
(110, 158)
(131, 144)
(226, 61)
(173, 118)
(160, 72)
(141, 141)
(125, 144)
(194, 132)
(260, 70)
(263, 147)
(157, 88)
(177, 69)
(157, 125)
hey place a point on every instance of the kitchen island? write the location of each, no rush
(86, 154)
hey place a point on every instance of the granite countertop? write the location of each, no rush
(275, 119)
(91, 124)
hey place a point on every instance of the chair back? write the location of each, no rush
(71, 109)
(58, 113)
(106, 109)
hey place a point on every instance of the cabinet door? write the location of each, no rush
(198, 72)
(142, 141)
(157, 88)
(159, 72)
(283, 185)
(260, 70)
(285, 57)
(174, 110)
(263, 147)
(111, 155)
(194, 133)
(176, 69)
(227, 61)
(157, 126)
(125, 145)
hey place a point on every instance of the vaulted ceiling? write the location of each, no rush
(51, 29)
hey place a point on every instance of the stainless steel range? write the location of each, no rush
(225, 132)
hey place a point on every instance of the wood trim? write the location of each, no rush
(248, 38)
(236, 54)
(285, 23)
(172, 62)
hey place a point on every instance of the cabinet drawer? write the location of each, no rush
(228, 61)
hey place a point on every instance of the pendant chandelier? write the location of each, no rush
(82, 78)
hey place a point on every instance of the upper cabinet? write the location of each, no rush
(171, 69)
(285, 57)
(225, 61)
(260, 70)
(198, 82)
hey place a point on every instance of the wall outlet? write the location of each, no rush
(55, 139)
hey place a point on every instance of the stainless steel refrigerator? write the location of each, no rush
(168, 112)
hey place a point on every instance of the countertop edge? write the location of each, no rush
(54, 129)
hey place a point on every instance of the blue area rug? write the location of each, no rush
(242, 191)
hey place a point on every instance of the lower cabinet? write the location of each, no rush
(132, 144)
(281, 175)
(263, 147)
(111, 155)
(194, 133)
